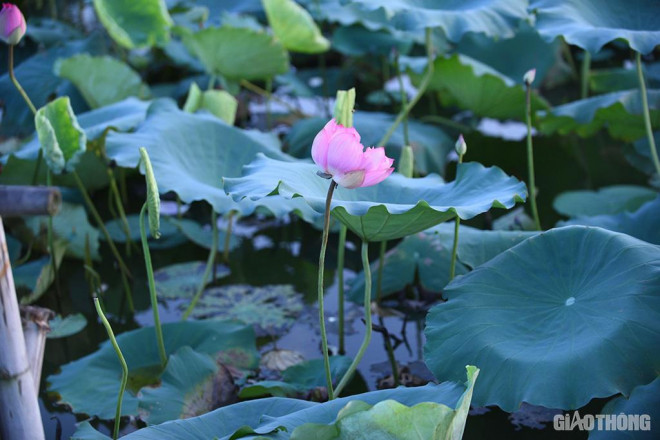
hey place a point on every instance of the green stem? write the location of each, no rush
(122, 361)
(452, 265)
(51, 244)
(367, 319)
(530, 157)
(420, 91)
(16, 83)
(448, 122)
(324, 335)
(225, 250)
(114, 190)
(404, 100)
(379, 277)
(341, 250)
(390, 354)
(209, 265)
(584, 75)
(647, 115)
(152, 288)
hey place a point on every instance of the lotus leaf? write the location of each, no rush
(607, 200)
(135, 23)
(294, 27)
(67, 326)
(182, 280)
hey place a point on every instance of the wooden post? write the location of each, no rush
(35, 328)
(19, 408)
(16, 200)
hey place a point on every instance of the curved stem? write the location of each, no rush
(420, 91)
(341, 251)
(647, 115)
(16, 83)
(152, 288)
(530, 157)
(324, 335)
(367, 320)
(210, 262)
(122, 361)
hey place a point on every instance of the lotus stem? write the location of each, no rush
(454, 250)
(210, 262)
(420, 91)
(584, 75)
(114, 190)
(379, 276)
(367, 320)
(152, 288)
(404, 99)
(390, 353)
(341, 251)
(324, 335)
(225, 251)
(26, 98)
(530, 156)
(122, 361)
(647, 114)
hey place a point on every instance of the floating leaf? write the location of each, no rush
(101, 80)
(642, 224)
(192, 384)
(619, 112)
(294, 27)
(272, 310)
(271, 414)
(535, 329)
(591, 24)
(238, 53)
(67, 326)
(607, 200)
(182, 280)
(99, 373)
(62, 139)
(472, 85)
(135, 23)
(397, 207)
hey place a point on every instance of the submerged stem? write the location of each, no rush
(324, 335)
(122, 361)
(210, 262)
(152, 288)
(367, 319)
(647, 115)
(341, 251)
(530, 157)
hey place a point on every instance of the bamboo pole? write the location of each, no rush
(35, 329)
(17, 200)
(19, 408)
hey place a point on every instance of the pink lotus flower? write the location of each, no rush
(338, 152)
(12, 24)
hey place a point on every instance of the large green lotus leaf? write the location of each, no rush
(639, 154)
(424, 257)
(471, 85)
(238, 53)
(607, 200)
(191, 385)
(644, 400)
(99, 373)
(393, 420)
(614, 80)
(181, 280)
(430, 144)
(101, 80)
(268, 415)
(591, 24)
(67, 326)
(642, 224)
(190, 153)
(272, 310)
(71, 225)
(135, 23)
(394, 208)
(85, 431)
(496, 18)
(294, 27)
(514, 56)
(619, 112)
(60, 135)
(358, 41)
(36, 76)
(539, 316)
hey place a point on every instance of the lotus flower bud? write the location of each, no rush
(528, 78)
(339, 154)
(460, 146)
(12, 24)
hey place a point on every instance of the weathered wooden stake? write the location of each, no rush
(35, 329)
(17, 200)
(19, 408)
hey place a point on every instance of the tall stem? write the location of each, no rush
(114, 190)
(584, 75)
(341, 250)
(210, 262)
(379, 276)
(454, 250)
(16, 83)
(152, 288)
(647, 114)
(225, 250)
(122, 361)
(420, 91)
(367, 320)
(404, 100)
(324, 335)
(530, 156)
